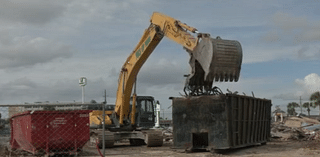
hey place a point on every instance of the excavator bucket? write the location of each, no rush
(214, 60)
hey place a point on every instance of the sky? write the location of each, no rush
(46, 46)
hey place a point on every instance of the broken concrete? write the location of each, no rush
(296, 128)
(167, 134)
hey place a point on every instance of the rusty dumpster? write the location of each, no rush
(218, 122)
(50, 132)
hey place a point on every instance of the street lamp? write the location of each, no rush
(82, 83)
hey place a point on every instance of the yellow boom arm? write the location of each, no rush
(161, 25)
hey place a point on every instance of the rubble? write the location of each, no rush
(167, 134)
(298, 121)
(296, 128)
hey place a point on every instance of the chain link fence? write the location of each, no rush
(46, 129)
(166, 114)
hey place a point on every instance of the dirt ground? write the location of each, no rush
(272, 148)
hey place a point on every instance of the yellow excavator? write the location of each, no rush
(210, 60)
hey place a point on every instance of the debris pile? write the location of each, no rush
(296, 128)
(167, 134)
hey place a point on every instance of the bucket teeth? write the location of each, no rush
(231, 78)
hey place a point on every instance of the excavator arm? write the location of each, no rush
(129, 71)
(201, 58)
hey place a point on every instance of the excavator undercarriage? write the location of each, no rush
(151, 138)
(139, 134)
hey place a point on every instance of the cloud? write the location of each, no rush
(301, 87)
(287, 96)
(67, 90)
(288, 23)
(31, 11)
(162, 72)
(294, 29)
(310, 83)
(311, 52)
(27, 51)
(290, 37)
(272, 36)
(21, 83)
(111, 12)
(254, 54)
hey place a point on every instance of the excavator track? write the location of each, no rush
(154, 138)
(96, 137)
(137, 142)
(151, 138)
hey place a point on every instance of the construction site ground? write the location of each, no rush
(272, 148)
(295, 136)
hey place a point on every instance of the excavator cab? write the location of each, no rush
(145, 116)
(213, 60)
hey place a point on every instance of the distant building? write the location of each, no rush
(279, 114)
(165, 123)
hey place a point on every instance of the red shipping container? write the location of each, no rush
(50, 132)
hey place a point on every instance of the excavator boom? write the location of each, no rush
(150, 39)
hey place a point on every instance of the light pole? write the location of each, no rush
(82, 83)
(157, 114)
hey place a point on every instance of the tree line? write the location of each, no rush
(315, 98)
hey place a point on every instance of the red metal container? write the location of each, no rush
(50, 132)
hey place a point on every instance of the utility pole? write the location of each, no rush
(105, 96)
(300, 106)
(103, 122)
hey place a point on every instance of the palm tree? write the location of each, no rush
(315, 97)
(307, 105)
(291, 110)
